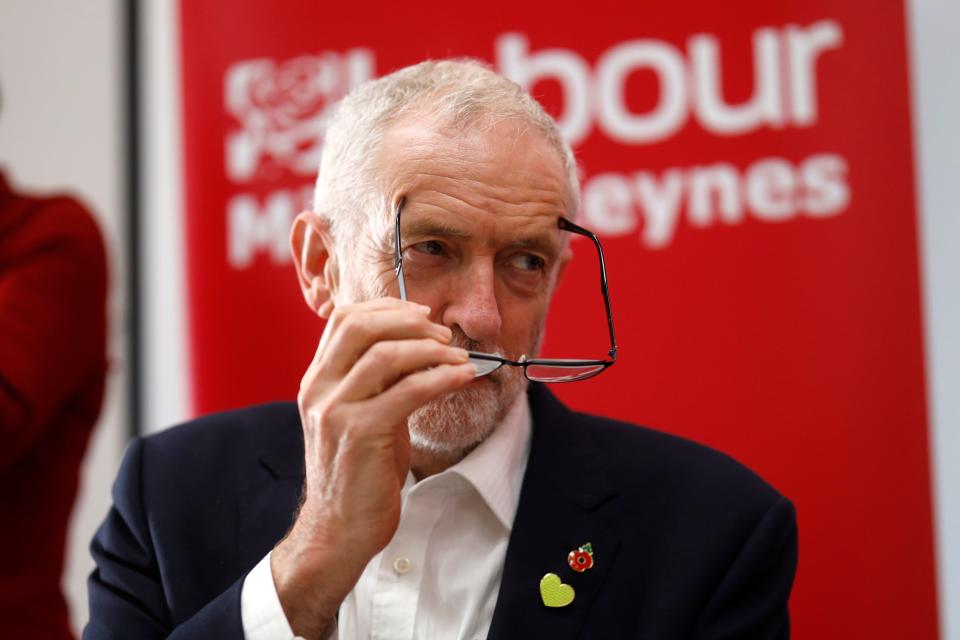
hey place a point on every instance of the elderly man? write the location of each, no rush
(433, 491)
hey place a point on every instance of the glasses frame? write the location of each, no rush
(564, 225)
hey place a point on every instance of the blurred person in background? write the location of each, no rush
(53, 287)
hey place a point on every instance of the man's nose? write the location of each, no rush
(473, 304)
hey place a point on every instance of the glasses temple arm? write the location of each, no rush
(398, 253)
(606, 298)
(565, 224)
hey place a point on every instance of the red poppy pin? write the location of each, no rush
(581, 559)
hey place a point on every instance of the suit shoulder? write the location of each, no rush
(224, 439)
(683, 469)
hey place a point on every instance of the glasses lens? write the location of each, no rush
(561, 373)
(577, 321)
(436, 266)
(484, 367)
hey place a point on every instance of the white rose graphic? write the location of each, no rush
(283, 110)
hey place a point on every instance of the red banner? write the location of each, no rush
(749, 172)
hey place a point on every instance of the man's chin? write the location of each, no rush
(459, 421)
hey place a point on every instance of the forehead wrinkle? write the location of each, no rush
(547, 204)
(484, 216)
(468, 155)
(522, 180)
(543, 236)
(478, 171)
(423, 146)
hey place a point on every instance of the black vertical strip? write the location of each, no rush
(131, 20)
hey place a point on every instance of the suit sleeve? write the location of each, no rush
(751, 599)
(126, 591)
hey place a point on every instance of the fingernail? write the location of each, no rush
(461, 354)
(423, 309)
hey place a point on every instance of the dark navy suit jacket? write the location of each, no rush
(687, 542)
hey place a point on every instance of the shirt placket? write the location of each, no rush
(400, 575)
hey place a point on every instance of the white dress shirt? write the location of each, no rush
(440, 574)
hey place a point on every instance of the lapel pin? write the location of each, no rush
(581, 559)
(554, 593)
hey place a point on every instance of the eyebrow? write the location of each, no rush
(421, 227)
(536, 242)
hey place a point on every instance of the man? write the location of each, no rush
(426, 501)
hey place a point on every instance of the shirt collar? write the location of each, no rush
(495, 468)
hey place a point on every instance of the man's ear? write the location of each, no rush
(316, 262)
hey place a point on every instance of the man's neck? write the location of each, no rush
(424, 464)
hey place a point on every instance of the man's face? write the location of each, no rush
(481, 248)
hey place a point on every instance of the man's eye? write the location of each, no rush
(527, 262)
(430, 247)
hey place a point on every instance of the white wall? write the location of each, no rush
(935, 50)
(166, 370)
(61, 128)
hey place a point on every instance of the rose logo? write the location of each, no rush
(283, 109)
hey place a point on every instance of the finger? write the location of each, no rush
(386, 362)
(417, 389)
(361, 330)
(378, 304)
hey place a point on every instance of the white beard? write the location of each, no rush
(458, 421)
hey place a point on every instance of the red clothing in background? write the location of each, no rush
(52, 369)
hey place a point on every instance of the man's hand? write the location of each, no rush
(376, 363)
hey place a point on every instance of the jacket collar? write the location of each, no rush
(565, 485)
(283, 458)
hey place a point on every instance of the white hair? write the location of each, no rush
(455, 93)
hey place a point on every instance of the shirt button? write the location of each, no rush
(401, 565)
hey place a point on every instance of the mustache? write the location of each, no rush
(462, 340)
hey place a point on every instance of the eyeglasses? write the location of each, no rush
(535, 369)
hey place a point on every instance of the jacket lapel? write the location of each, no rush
(564, 483)
(269, 496)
